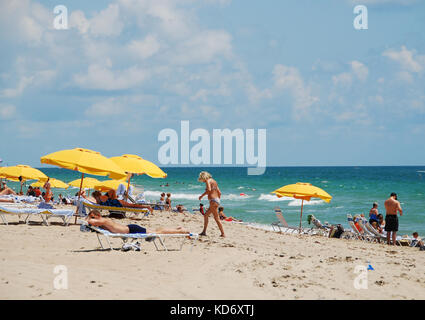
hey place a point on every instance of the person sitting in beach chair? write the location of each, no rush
(376, 226)
(114, 202)
(416, 242)
(373, 213)
(31, 192)
(5, 190)
(95, 219)
(224, 217)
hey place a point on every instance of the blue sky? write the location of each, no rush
(126, 69)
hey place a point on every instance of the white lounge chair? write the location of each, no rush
(282, 226)
(44, 214)
(133, 237)
(322, 230)
(358, 235)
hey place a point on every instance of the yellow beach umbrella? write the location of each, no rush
(1, 172)
(134, 164)
(108, 185)
(54, 183)
(84, 161)
(303, 191)
(26, 172)
(131, 163)
(88, 183)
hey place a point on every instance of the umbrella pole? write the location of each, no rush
(128, 187)
(79, 195)
(301, 216)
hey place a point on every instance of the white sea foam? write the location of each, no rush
(273, 198)
(192, 196)
(297, 202)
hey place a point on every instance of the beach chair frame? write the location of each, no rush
(281, 225)
(132, 238)
(135, 211)
(43, 214)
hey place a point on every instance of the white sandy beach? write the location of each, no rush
(248, 264)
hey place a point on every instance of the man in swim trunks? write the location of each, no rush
(95, 219)
(392, 206)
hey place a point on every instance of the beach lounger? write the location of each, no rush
(372, 231)
(357, 234)
(282, 226)
(134, 237)
(44, 214)
(323, 230)
(132, 211)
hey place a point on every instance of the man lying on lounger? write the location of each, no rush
(112, 201)
(95, 219)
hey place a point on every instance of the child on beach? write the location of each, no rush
(168, 201)
(224, 217)
(417, 242)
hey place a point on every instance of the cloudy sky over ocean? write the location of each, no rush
(327, 94)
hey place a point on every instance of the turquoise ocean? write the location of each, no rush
(353, 189)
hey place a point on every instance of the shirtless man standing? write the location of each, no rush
(391, 219)
(95, 219)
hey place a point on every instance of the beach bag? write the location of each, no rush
(339, 231)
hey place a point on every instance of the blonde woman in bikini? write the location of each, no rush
(214, 194)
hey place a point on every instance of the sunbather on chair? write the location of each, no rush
(5, 190)
(95, 219)
(112, 201)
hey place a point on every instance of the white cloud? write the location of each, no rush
(143, 49)
(42, 77)
(24, 21)
(107, 22)
(345, 79)
(101, 77)
(17, 91)
(383, 2)
(106, 108)
(359, 70)
(203, 47)
(289, 78)
(408, 59)
(78, 20)
(7, 111)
